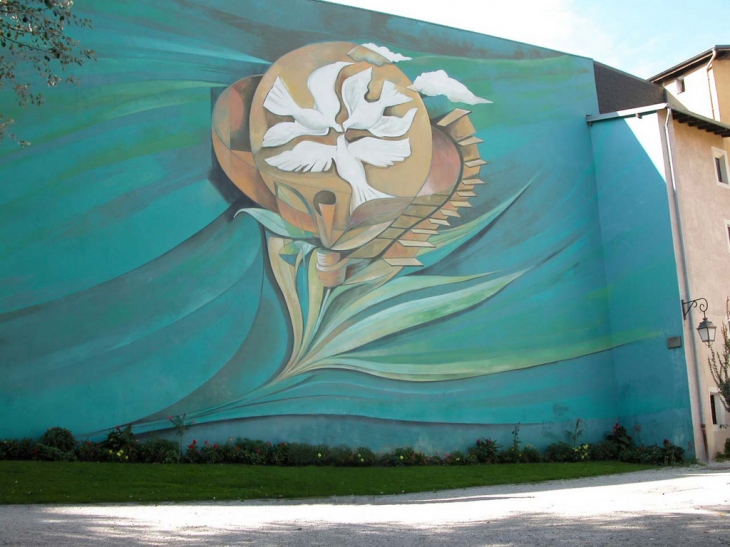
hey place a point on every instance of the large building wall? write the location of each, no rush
(705, 216)
(721, 77)
(696, 94)
(641, 279)
(132, 291)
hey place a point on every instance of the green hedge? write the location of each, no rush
(121, 446)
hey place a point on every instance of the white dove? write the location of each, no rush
(348, 158)
(307, 121)
(369, 115)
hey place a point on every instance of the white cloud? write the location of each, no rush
(385, 52)
(440, 83)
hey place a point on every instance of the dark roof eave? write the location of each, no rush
(680, 114)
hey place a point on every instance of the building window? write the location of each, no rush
(721, 168)
(680, 85)
(719, 415)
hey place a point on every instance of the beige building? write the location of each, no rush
(680, 119)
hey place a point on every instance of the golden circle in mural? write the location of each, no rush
(321, 120)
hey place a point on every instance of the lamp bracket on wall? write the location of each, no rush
(700, 303)
(706, 329)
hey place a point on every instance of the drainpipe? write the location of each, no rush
(709, 85)
(686, 288)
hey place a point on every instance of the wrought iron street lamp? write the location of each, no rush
(706, 328)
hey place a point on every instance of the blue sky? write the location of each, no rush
(642, 37)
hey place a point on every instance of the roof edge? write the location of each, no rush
(628, 113)
(702, 123)
(687, 64)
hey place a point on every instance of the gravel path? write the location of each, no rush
(685, 507)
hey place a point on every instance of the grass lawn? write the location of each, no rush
(60, 482)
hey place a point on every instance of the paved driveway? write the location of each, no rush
(667, 507)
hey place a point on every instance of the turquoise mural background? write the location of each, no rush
(129, 292)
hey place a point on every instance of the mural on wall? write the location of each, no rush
(355, 189)
(286, 222)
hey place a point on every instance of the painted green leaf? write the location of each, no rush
(404, 316)
(286, 275)
(337, 315)
(292, 198)
(410, 369)
(275, 224)
(316, 295)
(297, 247)
(377, 270)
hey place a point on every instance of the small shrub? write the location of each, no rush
(603, 451)
(280, 454)
(323, 455)
(403, 456)
(485, 451)
(192, 454)
(88, 452)
(458, 458)
(530, 454)
(651, 455)
(365, 457)
(45, 453)
(116, 456)
(727, 447)
(254, 452)
(508, 455)
(118, 438)
(180, 425)
(5, 449)
(671, 453)
(58, 437)
(158, 451)
(559, 452)
(23, 449)
(341, 456)
(301, 454)
(581, 453)
(513, 454)
(218, 453)
(620, 438)
(17, 449)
